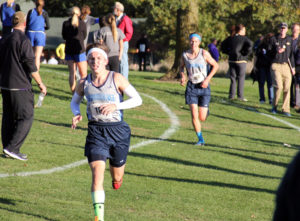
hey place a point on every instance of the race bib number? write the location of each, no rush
(96, 112)
(197, 78)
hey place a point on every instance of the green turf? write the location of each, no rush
(234, 177)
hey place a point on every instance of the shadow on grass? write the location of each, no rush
(206, 166)
(271, 162)
(209, 183)
(60, 124)
(250, 122)
(7, 201)
(255, 140)
(22, 212)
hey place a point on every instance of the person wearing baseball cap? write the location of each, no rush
(282, 68)
(17, 68)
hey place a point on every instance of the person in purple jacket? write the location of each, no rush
(213, 50)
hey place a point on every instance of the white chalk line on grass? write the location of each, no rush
(282, 121)
(168, 133)
(268, 115)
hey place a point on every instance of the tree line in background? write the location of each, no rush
(170, 21)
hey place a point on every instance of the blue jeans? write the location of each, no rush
(124, 68)
(263, 76)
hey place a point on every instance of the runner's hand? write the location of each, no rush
(76, 120)
(204, 84)
(108, 108)
(182, 81)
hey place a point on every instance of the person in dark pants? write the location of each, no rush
(263, 66)
(288, 194)
(295, 84)
(17, 68)
(238, 47)
(142, 48)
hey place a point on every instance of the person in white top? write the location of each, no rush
(197, 94)
(52, 60)
(108, 135)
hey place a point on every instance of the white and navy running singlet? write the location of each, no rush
(196, 68)
(104, 94)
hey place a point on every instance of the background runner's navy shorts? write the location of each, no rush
(195, 94)
(108, 140)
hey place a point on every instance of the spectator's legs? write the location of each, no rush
(38, 50)
(124, 69)
(276, 82)
(261, 83)
(287, 79)
(241, 74)
(72, 72)
(21, 105)
(232, 74)
(269, 84)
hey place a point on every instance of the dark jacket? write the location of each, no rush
(237, 47)
(16, 61)
(287, 55)
(74, 37)
(263, 58)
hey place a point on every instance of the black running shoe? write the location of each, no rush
(18, 156)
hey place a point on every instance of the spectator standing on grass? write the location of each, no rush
(142, 48)
(108, 135)
(17, 68)
(74, 32)
(238, 47)
(125, 24)
(7, 10)
(36, 24)
(282, 68)
(263, 67)
(295, 96)
(113, 38)
(197, 94)
(89, 21)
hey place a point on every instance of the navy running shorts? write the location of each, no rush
(108, 140)
(195, 94)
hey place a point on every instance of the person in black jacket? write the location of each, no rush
(238, 47)
(263, 65)
(17, 68)
(288, 194)
(74, 32)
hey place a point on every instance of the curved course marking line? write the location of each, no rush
(171, 130)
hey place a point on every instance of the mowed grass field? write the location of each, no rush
(233, 177)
